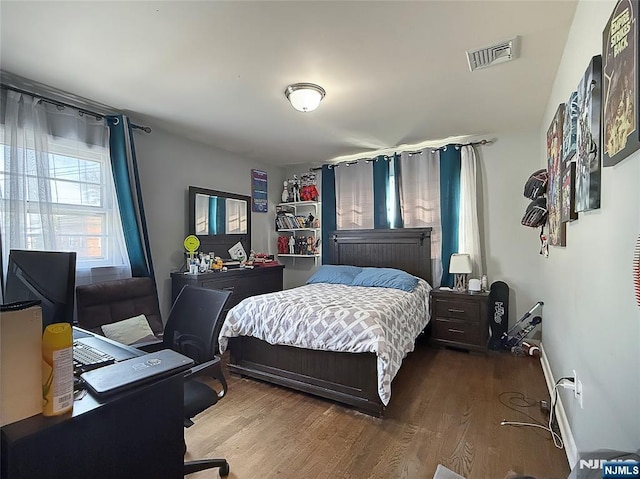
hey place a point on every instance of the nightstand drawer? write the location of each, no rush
(464, 310)
(458, 331)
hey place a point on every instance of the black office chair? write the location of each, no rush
(192, 328)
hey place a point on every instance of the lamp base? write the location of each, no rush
(460, 282)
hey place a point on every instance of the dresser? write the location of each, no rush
(459, 319)
(241, 282)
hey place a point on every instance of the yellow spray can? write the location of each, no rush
(57, 369)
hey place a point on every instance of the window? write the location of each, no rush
(391, 195)
(67, 201)
(354, 196)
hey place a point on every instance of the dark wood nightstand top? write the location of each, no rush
(462, 294)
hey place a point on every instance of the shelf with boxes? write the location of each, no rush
(298, 227)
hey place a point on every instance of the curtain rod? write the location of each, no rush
(457, 146)
(82, 111)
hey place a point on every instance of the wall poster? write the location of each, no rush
(569, 140)
(259, 191)
(568, 193)
(620, 86)
(557, 229)
(570, 128)
(588, 140)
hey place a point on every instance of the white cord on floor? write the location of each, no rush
(557, 440)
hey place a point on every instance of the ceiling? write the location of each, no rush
(395, 72)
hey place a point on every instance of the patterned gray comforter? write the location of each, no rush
(336, 317)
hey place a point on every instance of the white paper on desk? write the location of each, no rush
(237, 251)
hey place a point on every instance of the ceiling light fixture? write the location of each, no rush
(304, 96)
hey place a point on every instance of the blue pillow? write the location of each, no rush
(386, 278)
(335, 274)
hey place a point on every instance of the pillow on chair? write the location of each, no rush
(129, 331)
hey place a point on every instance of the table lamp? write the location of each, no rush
(460, 267)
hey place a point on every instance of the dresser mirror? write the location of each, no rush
(219, 220)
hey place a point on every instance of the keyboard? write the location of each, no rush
(86, 358)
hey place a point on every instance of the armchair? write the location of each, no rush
(108, 302)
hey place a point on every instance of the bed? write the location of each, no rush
(353, 378)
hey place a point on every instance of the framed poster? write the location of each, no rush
(588, 160)
(557, 229)
(620, 115)
(259, 191)
(570, 128)
(568, 193)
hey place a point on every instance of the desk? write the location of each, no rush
(137, 433)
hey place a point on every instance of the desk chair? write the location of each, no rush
(192, 328)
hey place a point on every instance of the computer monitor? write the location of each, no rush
(48, 276)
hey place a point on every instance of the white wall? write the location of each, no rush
(168, 165)
(510, 249)
(591, 320)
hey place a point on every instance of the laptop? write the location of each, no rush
(134, 372)
(119, 352)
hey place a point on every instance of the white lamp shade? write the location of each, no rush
(460, 263)
(305, 96)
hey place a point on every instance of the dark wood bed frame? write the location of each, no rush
(349, 378)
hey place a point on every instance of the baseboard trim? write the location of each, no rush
(565, 430)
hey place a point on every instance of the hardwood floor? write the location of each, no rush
(445, 409)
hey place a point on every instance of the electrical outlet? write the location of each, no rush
(544, 407)
(579, 392)
(577, 389)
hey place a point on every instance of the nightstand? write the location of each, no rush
(459, 319)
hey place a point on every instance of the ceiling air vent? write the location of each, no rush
(489, 56)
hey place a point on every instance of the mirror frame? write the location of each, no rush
(221, 243)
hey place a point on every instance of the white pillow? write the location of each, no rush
(128, 331)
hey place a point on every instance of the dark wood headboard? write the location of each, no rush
(407, 249)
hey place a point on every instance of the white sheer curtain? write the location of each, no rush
(420, 200)
(354, 196)
(468, 229)
(56, 187)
